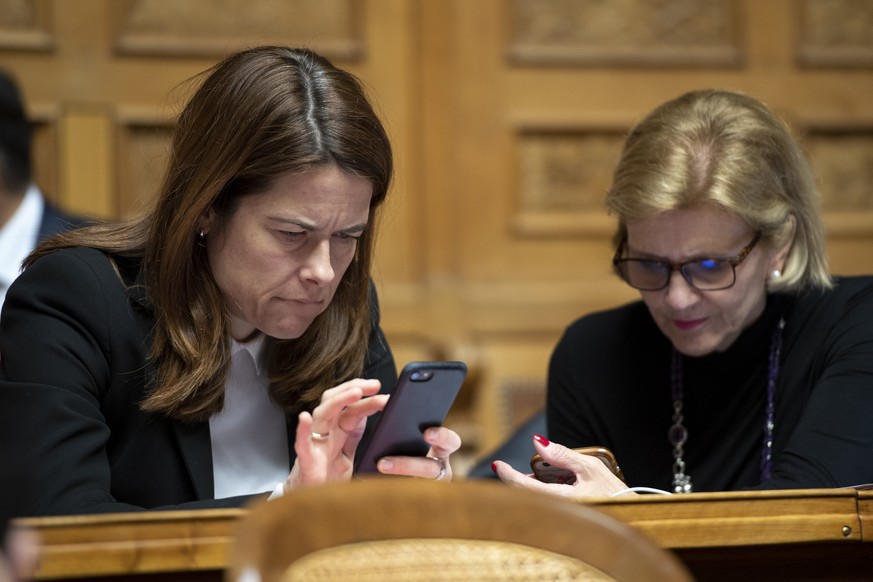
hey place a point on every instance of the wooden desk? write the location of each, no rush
(775, 535)
(781, 535)
(865, 512)
(163, 545)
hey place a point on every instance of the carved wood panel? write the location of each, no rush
(592, 32)
(562, 179)
(217, 27)
(843, 163)
(25, 25)
(835, 33)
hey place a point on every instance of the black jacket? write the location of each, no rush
(73, 343)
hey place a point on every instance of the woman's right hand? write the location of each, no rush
(326, 440)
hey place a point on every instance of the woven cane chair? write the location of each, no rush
(389, 529)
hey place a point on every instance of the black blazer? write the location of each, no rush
(73, 343)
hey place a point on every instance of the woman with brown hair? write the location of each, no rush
(227, 343)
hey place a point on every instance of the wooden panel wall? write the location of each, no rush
(507, 116)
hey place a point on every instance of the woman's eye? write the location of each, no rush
(346, 237)
(710, 264)
(651, 265)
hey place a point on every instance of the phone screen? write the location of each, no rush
(422, 398)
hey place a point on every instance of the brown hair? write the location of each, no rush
(729, 150)
(259, 114)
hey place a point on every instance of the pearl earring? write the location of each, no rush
(776, 274)
(201, 237)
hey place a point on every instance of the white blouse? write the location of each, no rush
(249, 435)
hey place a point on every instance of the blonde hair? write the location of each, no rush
(729, 150)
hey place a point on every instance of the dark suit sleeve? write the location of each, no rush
(54, 340)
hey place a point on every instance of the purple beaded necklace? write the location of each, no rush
(678, 434)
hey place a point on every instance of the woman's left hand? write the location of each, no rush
(443, 442)
(592, 477)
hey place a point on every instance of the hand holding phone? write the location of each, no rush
(548, 473)
(422, 398)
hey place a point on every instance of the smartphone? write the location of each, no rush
(422, 398)
(547, 473)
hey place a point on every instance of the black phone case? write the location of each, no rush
(422, 398)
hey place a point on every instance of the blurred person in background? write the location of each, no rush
(26, 217)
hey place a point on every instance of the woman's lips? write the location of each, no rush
(686, 324)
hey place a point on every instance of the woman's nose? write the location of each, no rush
(319, 267)
(679, 292)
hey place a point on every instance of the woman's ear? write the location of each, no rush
(206, 223)
(780, 254)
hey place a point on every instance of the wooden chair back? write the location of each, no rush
(389, 529)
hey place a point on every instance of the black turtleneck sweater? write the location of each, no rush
(609, 385)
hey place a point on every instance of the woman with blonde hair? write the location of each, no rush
(745, 365)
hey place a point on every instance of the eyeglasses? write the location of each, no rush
(705, 274)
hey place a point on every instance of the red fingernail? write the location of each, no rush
(541, 439)
(494, 467)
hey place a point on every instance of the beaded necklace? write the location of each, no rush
(678, 434)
